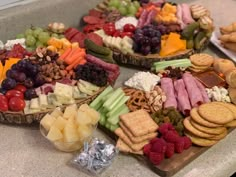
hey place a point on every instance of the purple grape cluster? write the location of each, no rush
(144, 1)
(24, 72)
(147, 40)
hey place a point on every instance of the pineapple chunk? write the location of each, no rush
(94, 115)
(54, 134)
(70, 111)
(84, 131)
(57, 112)
(47, 121)
(84, 107)
(83, 118)
(60, 123)
(70, 132)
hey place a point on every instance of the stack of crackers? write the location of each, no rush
(201, 62)
(136, 130)
(208, 124)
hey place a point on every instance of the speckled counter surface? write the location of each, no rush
(25, 153)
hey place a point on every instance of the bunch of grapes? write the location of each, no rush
(23, 72)
(125, 7)
(37, 37)
(147, 40)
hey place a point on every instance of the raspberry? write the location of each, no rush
(156, 158)
(163, 129)
(179, 145)
(187, 142)
(170, 150)
(171, 136)
(147, 149)
(154, 140)
(159, 146)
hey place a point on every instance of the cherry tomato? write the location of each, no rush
(21, 88)
(14, 93)
(3, 103)
(123, 34)
(109, 28)
(16, 104)
(129, 28)
(117, 33)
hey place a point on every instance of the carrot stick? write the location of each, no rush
(74, 63)
(65, 54)
(83, 61)
(76, 54)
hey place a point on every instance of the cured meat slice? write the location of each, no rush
(95, 38)
(79, 37)
(95, 13)
(203, 91)
(182, 97)
(142, 19)
(150, 16)
(194, 93)
(168, 87)
(93, 20)
(70, 33)
(186, 14)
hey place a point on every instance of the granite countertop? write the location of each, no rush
(26, 153)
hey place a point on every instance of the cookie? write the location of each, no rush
(213, 131)
(188, 126)
(215, 113)
(230, 106)
(137, 139)
(231, 124)
(195, 70)
(197, 118)
(202, 59)
(200, 141)
(139, 123)
(125, 148)
(220, 136)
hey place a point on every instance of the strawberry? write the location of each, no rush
(159, 146)
(179, 145)
(170, 150)
(156, 158)
(147, 149)
(187, 142)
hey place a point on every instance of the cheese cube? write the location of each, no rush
(70, 111)
(47, 121)
(60, 123)
(54, 134)
(70, 132)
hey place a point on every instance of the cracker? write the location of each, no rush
(195, 131)
(231, 124)
(215, 113)
(137, 139)
(200, 141)
(230, 106)
(139, 122)
(135, 147)
(195, 70)
(197, 118)
(213, 131)
(202, 59)
(125, 148)
(220, 136)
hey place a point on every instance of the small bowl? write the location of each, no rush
(68, 146)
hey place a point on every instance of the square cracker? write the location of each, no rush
(139, 122)
(125, 148)
(138, 139)
(135, 147)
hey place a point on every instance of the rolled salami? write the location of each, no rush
(194, 93)
(168, 87)
(182, 97)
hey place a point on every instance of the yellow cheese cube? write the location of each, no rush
(47, 121)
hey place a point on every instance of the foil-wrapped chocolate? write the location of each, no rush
(95, 157)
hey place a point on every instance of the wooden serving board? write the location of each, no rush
(168, 167)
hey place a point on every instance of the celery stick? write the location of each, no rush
(171, 61)
(121, 103)
(102, 120)
(184, 64)
(115, 118)
(114, 96)
(117, 110)
(114, 127)
(98, 99)
(113, 105)
(107, 125)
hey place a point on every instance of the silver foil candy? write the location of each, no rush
(96, 156)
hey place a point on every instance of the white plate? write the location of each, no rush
(214, 40)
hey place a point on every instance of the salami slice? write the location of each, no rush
(95, 13)
(95, 38)
(168, 87)
(203, 91)
(79, 37)
(70, 33)
(194, 93)
(92, 28)
(93, 20)
(182, 97)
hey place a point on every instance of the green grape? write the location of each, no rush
(55, 35)
(132, 10)
(136, 4)
(36, 31)
(44, 37)
(20, 36)
(114, 3)
(123, 10)
(39, 44)
(28, 32)
(30, 49)
(30, 41)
